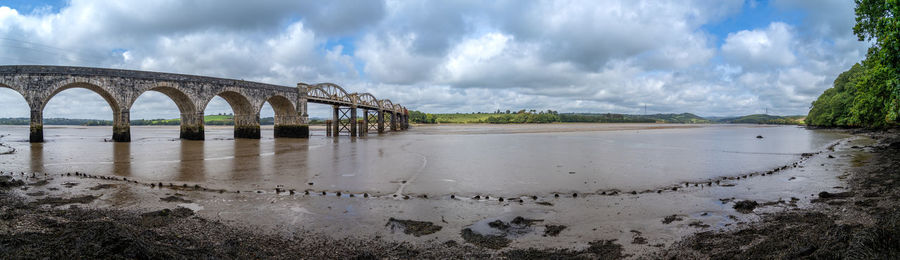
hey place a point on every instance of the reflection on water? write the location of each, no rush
(481, 159)
(37, 158)
(122, 159)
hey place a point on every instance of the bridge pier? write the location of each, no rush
(365, 122)
(327, 127)
(37, 125)
(246, 126)
(192, 126)
(298, 127)
(336, 121)
(289, 127)
(404, 121)
(292, 131)
(380, 121)
(353, 126)
(394, 120)
(122, 126)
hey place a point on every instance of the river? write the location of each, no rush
(440, 169)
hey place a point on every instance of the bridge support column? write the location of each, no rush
(327, 127)
(380, 121)
(122, 126)
(394, 120)
(336, 120)
(292, 131)
(365, 123)
(289, 127)
(246, 126)
(405, 122)
(301, 128)
(37, 125)
(192, 126)
(353, 125)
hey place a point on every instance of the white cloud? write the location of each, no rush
(770, 47)
(448, 56)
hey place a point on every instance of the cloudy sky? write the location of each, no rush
(712, 58)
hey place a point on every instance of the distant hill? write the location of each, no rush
(762, 119)
(549, 116)
(683, 118)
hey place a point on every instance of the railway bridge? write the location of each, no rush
(120, 88)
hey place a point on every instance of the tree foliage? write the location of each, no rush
(867, 95)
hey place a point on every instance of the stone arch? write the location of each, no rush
(285, 109)
(182, 100)
(121, 115)
(92, 86)
(14, 87)
(246, 115)
(191, 118)
(19, 90)
(287, 120)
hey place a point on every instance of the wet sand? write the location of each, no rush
(340, 225)
(862, 222)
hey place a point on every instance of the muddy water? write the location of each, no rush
(518, 162)
(492, 160)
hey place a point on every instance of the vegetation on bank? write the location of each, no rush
(763, 119)
(868, 94)
(533, 116)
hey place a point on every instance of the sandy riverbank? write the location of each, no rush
(861, 223)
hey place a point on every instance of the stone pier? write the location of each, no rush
(122, 126)
(192, 126)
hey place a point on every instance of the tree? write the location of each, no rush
(867, 95)
(878, 20)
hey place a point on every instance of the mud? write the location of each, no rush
(670, 219)
(745, 206)
(412, 227)
(102, 187)
(56, 201)
(28, 231)
(174, 198)
(868, 228)
(486, 241)
(164, 217)
(601, 249)
(7, 182)
(553, 230)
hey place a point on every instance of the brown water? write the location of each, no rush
(433, 160)
(516, 161)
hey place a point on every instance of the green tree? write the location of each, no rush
(878, 21)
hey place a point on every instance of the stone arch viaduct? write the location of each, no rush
(120, 88)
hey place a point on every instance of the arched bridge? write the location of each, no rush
(120, 88)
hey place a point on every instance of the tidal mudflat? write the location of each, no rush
(482, 190)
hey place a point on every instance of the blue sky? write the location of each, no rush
(712, 58)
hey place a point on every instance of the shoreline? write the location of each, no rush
(860, 223)
(338, 248)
